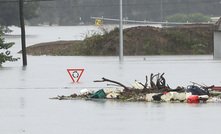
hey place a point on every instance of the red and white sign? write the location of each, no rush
(75, 74)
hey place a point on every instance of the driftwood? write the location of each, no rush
(118, 83)
(144, 85)
(158, 86)
(161, 82)
(152, 84)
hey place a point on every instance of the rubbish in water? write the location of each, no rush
(99, 94)
(157, 91)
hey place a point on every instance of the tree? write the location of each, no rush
(72, 12)
(197, 17)
(5, 55)
(9, 12)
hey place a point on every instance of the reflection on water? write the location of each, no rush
(51, 71)
(25, 106)
(27, 110)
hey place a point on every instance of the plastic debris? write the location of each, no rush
(84, 92)
(99, 94)
(137, 85)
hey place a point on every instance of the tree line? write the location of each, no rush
(75, 12)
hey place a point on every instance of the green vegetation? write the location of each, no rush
(75, 12)
(175, 41)
(97, 44)
(148, 41)
(5, 55)
(181, 42)
(143, 40)
(9, 12)
(197, 17)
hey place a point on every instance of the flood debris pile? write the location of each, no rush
(156, 91)
(139, 90)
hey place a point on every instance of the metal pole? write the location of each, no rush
(24, 57)
(121, 33)
(161, 10)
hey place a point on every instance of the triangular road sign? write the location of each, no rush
(75, 74)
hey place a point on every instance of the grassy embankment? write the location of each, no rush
(143, 40)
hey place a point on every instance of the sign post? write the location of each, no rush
(121, 34)
(97, 22)
(24, 56)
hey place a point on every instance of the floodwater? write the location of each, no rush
(25, 107)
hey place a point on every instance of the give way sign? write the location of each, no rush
(75, 74)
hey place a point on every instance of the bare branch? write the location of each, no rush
(118, 83)
(152, 84)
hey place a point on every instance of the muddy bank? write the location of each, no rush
(143, 40)
(50, 48)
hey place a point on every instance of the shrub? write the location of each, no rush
(5, 55)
